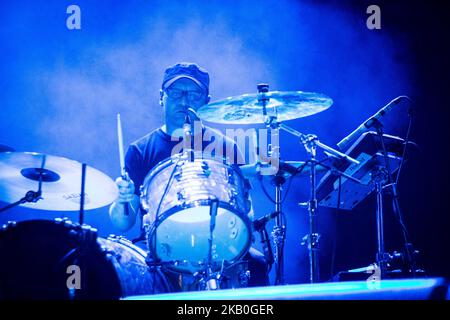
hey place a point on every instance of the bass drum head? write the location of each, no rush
(37, 259)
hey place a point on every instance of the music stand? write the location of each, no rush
(367, 150)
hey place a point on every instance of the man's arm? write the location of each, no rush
(128, 195)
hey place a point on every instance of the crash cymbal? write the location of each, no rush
(246, 109)
(285, 169)
(61, 182)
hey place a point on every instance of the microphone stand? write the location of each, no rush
(381, 176)
(187, 139)
(211, 278)
(311, 142)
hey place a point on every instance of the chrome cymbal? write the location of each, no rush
(246, 109)
(285, 169)
(61, 182)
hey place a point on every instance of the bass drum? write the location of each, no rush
(179, 196)
(59, 260)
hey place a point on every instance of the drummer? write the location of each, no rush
(185, 85)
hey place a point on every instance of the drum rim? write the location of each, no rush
(125, 242)
(174, 159)
(198, 203)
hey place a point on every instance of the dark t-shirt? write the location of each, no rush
(146, 153)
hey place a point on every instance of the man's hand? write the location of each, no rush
(124, 217)
(126, 190)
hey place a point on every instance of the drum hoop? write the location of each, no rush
(127, 243)
(174, 160)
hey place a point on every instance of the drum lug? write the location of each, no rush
(109, 254)
(206, 169)
(231, 178)
(9, 224)
(64, 221)
(181, 195)
(232, 196)
(178, 173)
(244, 277)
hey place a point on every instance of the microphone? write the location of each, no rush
(193, 116)
(259, 223)
(187, 139)
(267, 249)
(366, 125)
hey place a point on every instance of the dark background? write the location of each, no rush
(424, 184)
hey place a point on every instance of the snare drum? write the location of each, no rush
(178, 195)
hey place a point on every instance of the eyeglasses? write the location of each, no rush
(178, 94)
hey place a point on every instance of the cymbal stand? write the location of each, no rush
(31, 196)
(311, 142)
(85, 237)
(279, 229)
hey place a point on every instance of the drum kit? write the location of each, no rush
(199, 222)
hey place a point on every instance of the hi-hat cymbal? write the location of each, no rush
(61, 182)
(285, 169)
(246, 109)
(4, 148)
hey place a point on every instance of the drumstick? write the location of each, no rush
(120, 140)
(123, 173)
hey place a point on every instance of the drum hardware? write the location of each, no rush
(259, 225)
(271, 108)
(278, 232)
(82, 194)
(211, 278)
(311, 143)
(187, 139)
(31, 196)
(229, 276)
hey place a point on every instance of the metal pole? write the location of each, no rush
(380, 176)
(278, 234)
(313, 241)
(83, 180)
